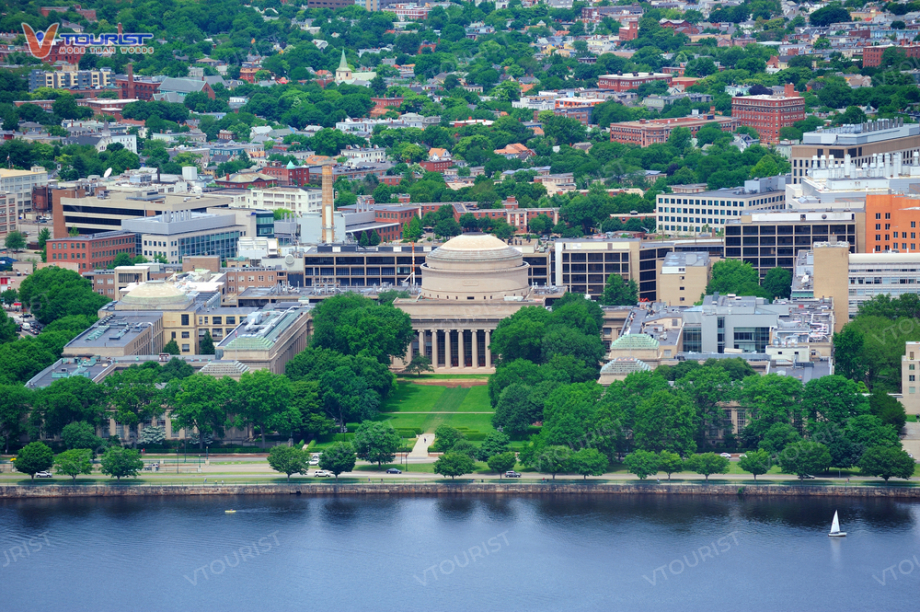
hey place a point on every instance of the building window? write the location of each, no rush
(185, 348)
(185, 319)
(185, 335)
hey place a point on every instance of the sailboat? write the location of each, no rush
(835, 528)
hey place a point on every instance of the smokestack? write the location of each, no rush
(328, 225)
(119, 28)
(130, 81)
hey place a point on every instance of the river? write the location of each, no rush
(436, 554)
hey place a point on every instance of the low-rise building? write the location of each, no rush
(268, 339)
(768, 114)
(683, 277)
(645, 132)
(18, 185)
(91, 251)
(630, 80)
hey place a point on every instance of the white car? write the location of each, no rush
(314, 461)
(322, 473)
(43, 474)
(726, 455)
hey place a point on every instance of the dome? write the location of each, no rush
(474, 267)
(155, 293)
(474, 247)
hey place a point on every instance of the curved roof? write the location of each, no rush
(634, 341)
(625, 365)
(474, 247)
(159, 292)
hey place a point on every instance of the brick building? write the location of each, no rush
(768, 114)
(892, 223)
(872, 56)
(630, 80)
(91, 251)
(288, 174)
(646, 132)
(142, 88)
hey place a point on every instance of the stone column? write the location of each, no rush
(447, 360)
(475, 348)
(461, 349)
(488, 351)
(421, 343)
(434, 349)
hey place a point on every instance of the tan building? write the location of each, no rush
(469, 285)
(910, 371)
(832, 267)
(682, 278)
(267, 340)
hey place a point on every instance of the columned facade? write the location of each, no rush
(456, 348)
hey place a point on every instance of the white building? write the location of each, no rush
(358, 156)
(296, 199)
(18, 184)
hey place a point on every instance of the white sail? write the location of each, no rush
(835, 526)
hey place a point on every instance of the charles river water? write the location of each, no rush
(458, 553)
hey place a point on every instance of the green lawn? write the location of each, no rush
(448, 377)
(426, 407)
(429, 422)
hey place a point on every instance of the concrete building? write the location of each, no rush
(8, 214)
(630, 80)
(710, 211)
(268, 339)
(70, 77)
(18, 186)
(295, 199)
(768, 114)
(91, 251)
(683, 278)
(862, 142)
(174, 235)
(106, 210)
(910, 370)
(469, 284)
(832, 261)
(772, 239)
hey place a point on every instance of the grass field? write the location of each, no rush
(426, 407)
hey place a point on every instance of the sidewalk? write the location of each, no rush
(420, 450)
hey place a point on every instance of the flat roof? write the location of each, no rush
(115, 331)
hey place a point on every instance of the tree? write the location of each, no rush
(263, 400)
(119, 462)
(352, 324)
(15, 403)
(171, 348)
(708, 463)
(207, 344)
(495, 443)
(804, 459)
(80, 435)
(642, 463)
(778, 283)
(15, 241)
(502, 462)
(74, 462)
(665, 421)
(827, 15)
(453, 465)
(33, 458)
(445, 438)
(833, 398)
(589, 462)
(376, 442)
(420, 363)
(53, 293)
(200, 402)
(889, 410)
(778, 437)
(756, 462)
(618, 292)
(886, 462)
(288, 460)
(338, 458)
(670, 463)
(734, 276)
(553, 460)
(152, 435)
(9, 297)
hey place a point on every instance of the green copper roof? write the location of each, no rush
(343, 65)
(634, 341)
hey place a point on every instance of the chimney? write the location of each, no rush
(130, 81)
(119, 28)
(328, 224)
(789, 90)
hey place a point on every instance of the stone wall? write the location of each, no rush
(458, 488)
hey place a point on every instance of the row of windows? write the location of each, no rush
(730, 203)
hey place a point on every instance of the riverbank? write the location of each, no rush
(456, 488)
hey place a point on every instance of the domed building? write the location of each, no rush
(474, 267)
(469, 284)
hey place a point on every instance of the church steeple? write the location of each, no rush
(343, 72)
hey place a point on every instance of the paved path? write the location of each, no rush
(420, 450)
(436, 412)
(911, 440)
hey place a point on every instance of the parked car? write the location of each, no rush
(43, 474)
(726, 455)
(322, 473)
(394, 471)
(512, 474)
(314, 461)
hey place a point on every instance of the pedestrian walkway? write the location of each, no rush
(911, 440)
(420, 450)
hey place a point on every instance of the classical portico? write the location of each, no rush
(469, 285)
